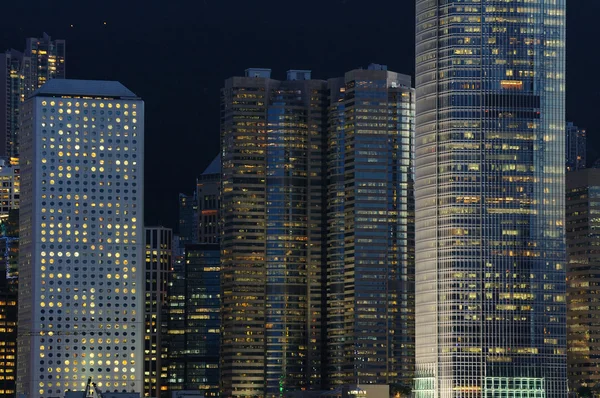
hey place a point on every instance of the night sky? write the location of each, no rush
(175, 54)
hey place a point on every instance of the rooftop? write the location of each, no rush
(214, 167)
(87, 88)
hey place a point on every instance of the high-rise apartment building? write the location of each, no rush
(273, 137)
(576, 144)
(208, 193)
(11, 86)
(193, 320)
(21, 73)
(370, 235)
(81, 262)
(158, 265)
(583, 277)
(490, 240)
(43, 60)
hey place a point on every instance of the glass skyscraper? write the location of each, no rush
(159, 259)
(193, 319)
(370, 228)
(490, 241)
(318, 230)
(208, 194)
(188, 218)
(576, 142)
(11, 90)
(272, 239)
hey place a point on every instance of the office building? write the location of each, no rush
(489, 188)
(576, 144)
(193, 319)
(10, 191)
(10, 98)
(273, 140)
(8, 331)
(158, 265)
(188, 218)
(208, 192)
(9, 249)
(370, 228)
(583, 277)
(81, 237)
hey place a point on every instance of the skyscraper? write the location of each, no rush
(576, 143)
(273, 138)
(188, 218)
(11, 86)
(9, 246)
(583, 272)
(370, 234)
(43, 60)
(193, 321)
(8, 328)
(21, 73)
(208, 194)
(81, 265)
(158, 265)
(490, 241)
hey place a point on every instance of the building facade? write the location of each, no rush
(318, 229)
(81, 260)
(10, 186)
(273, 197)
(11, 85)
(208, 193)
(576, 143)
(21, 73)
(490, 241)
(193, 321)
(8, 330)
(583, 277)
(43, 60)
(370, 229)
(188, 218)
(158, 266)
(9, 250)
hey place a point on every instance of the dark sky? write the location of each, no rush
(175, 54)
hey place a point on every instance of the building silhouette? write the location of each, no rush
(188, 218)
(576, 143)
(11, 96)
(208, 193)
